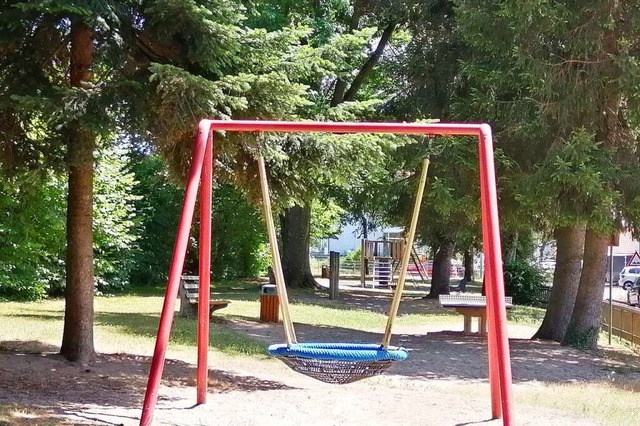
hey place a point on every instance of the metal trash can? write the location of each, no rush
(269, 303)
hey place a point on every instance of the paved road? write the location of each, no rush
(618, 294)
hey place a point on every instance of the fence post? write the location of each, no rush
(334, 274)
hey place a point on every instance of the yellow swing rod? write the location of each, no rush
(395, 303)
(289, 331)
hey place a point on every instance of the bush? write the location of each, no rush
(33, 222)
(239, 246)
(114, 211)
(522, 281)
(157, 206)
(32, 226)
(239, 237)
(354, 256)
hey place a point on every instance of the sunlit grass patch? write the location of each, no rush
(608, 403)
(525, 315)
(22, 415)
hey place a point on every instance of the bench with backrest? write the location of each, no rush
(471, 306)
(189, 285)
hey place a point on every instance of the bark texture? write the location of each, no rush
(441, 274)
(468, 265)
(295, 224)
(77, 338)
(586, 318)
(566, 280)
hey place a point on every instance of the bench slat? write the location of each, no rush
(189, 286)
(191, 278)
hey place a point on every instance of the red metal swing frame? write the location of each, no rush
(200, 174)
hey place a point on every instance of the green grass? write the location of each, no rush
(314, 309)
(599, 401)
(525, 315)
(131, 320)
(19, 415)
(120, 322)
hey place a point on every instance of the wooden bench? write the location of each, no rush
(471, 307)
(189, 298)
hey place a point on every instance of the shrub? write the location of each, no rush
(238, 242)
(114, 211)
(32, 225)
(354, 256)
(522, 281)
(157, 207)
(239, 237)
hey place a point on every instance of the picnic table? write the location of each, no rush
(471, 306)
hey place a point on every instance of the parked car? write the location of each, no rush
(627, 276)
(633, 294)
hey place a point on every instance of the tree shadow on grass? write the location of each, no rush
(450, 355)
(46, 315)
(34, 375)
(183, 331)
(237, 289)
(372, 301)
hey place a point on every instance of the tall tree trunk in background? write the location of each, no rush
(441, 275)
(354, 23)
(510, 247)
(295, 224)
(566, 279)
(77, 338)
(297, 270)
(614, 134)
(586, 318)
(468, 265)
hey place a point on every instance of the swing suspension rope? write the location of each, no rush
(337, 362)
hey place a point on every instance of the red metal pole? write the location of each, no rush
(494, 370)
(310, 126)
(177, 263)
(204, 265)
(495, 282)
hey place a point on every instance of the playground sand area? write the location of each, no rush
(444, 381)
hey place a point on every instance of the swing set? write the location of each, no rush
(330, 362)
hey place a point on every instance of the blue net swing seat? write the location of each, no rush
(337, 363)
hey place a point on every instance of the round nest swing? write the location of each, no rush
(338, 363)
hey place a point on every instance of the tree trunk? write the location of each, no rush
(77, 338)
(468, 265)
(295, 224)
(441, 275)
(586, 318)
(510, 247)
(371, 62)
(566, 278)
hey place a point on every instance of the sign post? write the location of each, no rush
(615, 241)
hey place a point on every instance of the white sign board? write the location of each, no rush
(635, 260)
